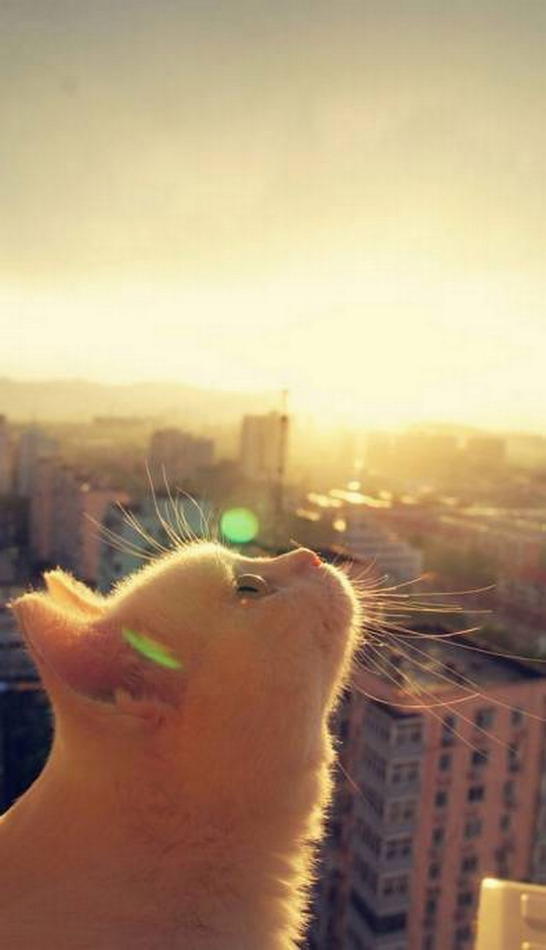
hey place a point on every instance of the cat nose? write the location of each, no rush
(302, 558)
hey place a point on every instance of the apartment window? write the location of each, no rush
(469, 864)
(440, 799)
(366, 873)
(479, 757)
(465, 899)
(444, 762)
(404, 773)
(504, 822)
(449, 729)
(395, 885)
(484, 717)
(509, 791)
(463, 934)
(431, 905)
(401, 811)
(516, 717)
(473, 828)
(370, 838)
(373, 799)
(374, 763)
(397, 848)
(428, 942)
(437, 836)
(374, 725)
(434, 871)
(513, 758)
(475, 793)
(408, 733)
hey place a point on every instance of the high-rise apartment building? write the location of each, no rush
(25, 720)
(34, 446)
(262, 447)
(65, 515)
(5, 457)
(432, 799)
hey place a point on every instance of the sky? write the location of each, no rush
(346, 199)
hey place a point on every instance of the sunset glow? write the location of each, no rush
(335, 205)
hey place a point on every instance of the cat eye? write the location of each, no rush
(252, 585)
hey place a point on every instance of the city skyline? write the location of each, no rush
(344, 200)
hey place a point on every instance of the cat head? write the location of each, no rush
(210, 657)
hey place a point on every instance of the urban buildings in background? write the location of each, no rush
(146, 529)
(25, 723)
(262, 446)
(175, 456)
(428, 800)
(432, 800)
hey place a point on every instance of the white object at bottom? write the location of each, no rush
(511, 916)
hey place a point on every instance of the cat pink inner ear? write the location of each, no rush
(82, 655)
(65, 589)
(92, 657)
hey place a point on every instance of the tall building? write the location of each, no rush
(65, 513)
(263, 446)
(5, 457)
(25, 718)
(34, 446)
(435, 799)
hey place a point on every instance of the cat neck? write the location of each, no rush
(114, 852)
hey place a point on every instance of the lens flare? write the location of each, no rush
(239, 525)
(151, 649)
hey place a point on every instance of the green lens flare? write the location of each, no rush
(239, 525)
(152, 650)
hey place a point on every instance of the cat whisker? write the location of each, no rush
(139, 529)
(175, 540)
(185, 532)
(119, 543)
(429, 707)
(464, 682)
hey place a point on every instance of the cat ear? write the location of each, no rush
(64, 644)
(67, 590)
(39, 616)
(93, 658)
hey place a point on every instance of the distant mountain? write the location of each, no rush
(80, 400)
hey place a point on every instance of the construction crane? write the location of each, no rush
(282, 446)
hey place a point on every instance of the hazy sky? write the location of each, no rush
(344, 197)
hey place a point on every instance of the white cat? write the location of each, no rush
(190, 767)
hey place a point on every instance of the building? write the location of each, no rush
(263, 447)
(432, 799)
(5, 458)
(25, 718)
(33, 447)
(145, 530)
(13, 539)
(175, 457)
(354, 522)
(65, 515)
(392, 558)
